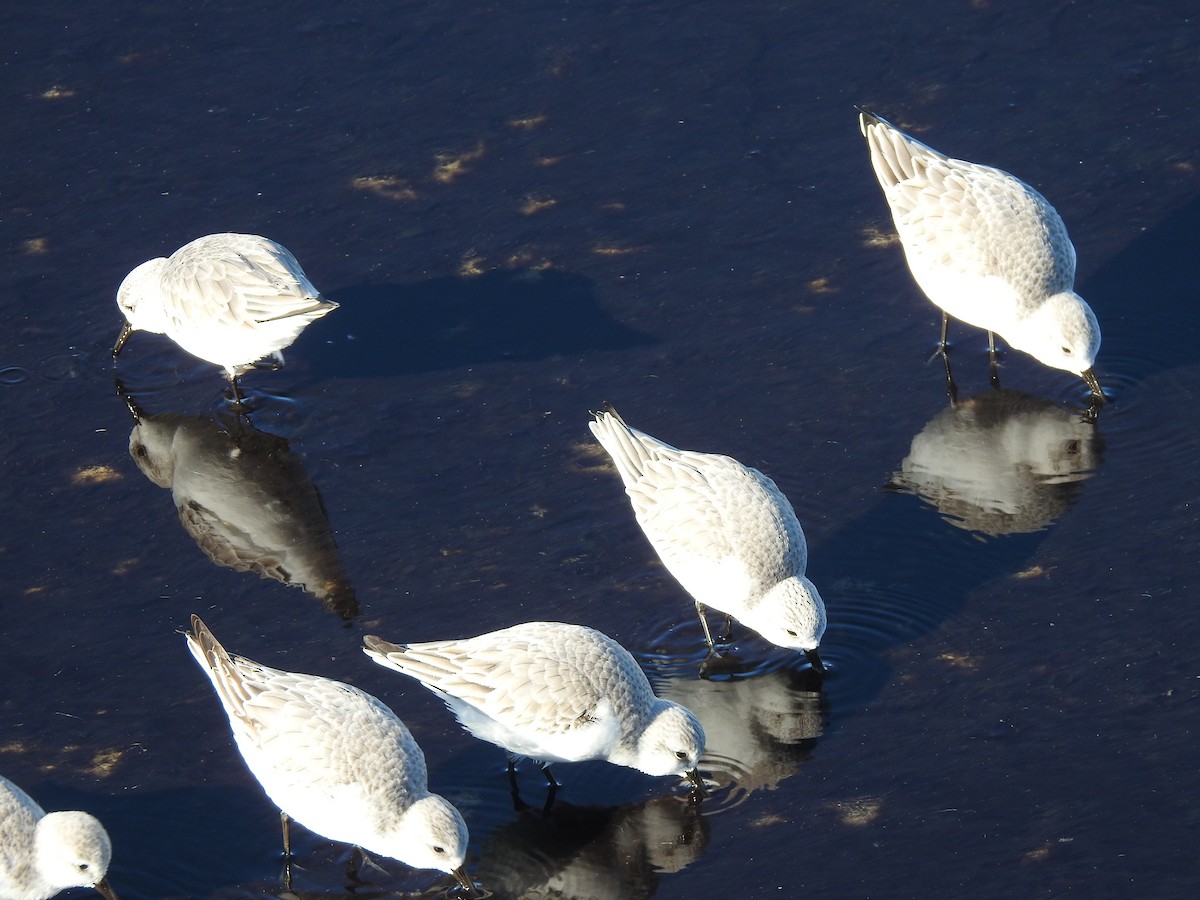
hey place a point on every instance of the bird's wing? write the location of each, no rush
(968, 219)
(237, 280)
(521, 682)
(303, 728)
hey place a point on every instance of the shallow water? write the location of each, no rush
(525, 212)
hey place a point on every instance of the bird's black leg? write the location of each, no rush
(239, 402)
(712, 655)
(704, 625)
(550, 794)
(726, 636)
(518, 803)
(285, 822)
(357, 862)
(353, 864)
(993, 375)
(951, 387)
(944, 350)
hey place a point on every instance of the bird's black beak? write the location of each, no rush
(697, 783)
(104, 890)
(460, 875)
(126, 331)
(814, 659)
(1090, 379)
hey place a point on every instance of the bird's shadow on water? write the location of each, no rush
(1145, 297)
(894, 575)
(455, 322)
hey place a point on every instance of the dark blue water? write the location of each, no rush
(528, 209)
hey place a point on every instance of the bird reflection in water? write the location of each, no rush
(760, 725)
(1002, 462)
(593, 852)
(246, 500)
(351, 893)
(360, 890)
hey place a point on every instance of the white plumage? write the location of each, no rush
(555, 693)
(986, 248)
(44, 853)
(335, 759)
(230, 299)
(724, 530)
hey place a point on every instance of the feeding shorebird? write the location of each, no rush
(230, 299)
(553, 692)
(44, 853)
(987, 249)
(335, 759)
(724, 530)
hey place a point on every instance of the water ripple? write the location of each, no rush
(10, 375)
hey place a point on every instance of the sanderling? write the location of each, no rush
(43, 853)
(986, 248)
(231, 299)
(335, 759)
(724, 530)
(553, 692)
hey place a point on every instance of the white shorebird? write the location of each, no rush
(987, 249)
(553, 692)
(230, 299)
(724, 530)
(335, 759)
(43, 853)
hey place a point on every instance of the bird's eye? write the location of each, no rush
(83, 867)
(1067, 351)
(792, 633)
(679, 754)
(439, 849)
